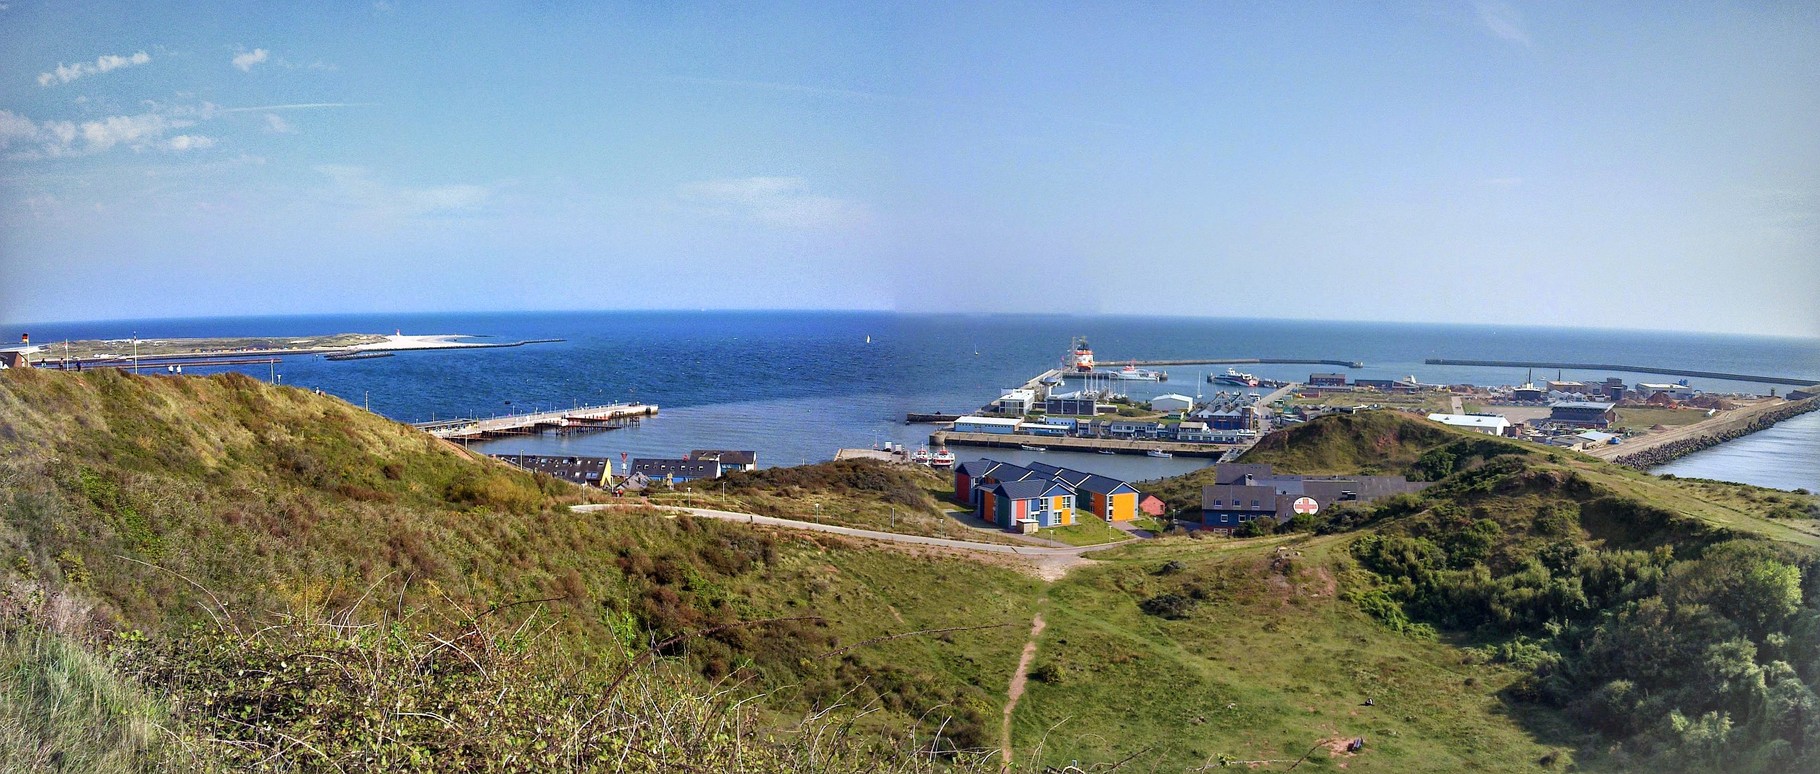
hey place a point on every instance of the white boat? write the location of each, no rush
(942, 458)
(921, 457)
(1236, 377)
(1107, 451)
(1033, 448)
(1132, 373)
(1157, 453)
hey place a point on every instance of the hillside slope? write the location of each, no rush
(167, 502)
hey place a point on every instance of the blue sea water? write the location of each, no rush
(796, 386)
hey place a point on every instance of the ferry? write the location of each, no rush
(942, 458)
(1157, 453)
(1136, 374)
(921, 457)
(1236, 377)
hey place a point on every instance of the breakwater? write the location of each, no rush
(1788, 380)
(1243, 361)
(1664, 453)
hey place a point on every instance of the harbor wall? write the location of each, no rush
(1664, 453)
(1791, 381)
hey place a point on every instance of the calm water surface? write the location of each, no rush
(796, 386)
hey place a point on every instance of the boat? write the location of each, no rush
(1236, 377)
(942, 458)
(1157, 453)
(1107, 451)
(1027, 447)
(1132, 373)
(1081, 355)
(921, 457)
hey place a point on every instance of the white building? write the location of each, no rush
(1016, 402)
(976, 424)
(1489, 424)
(1171, 402)
(1676, 391)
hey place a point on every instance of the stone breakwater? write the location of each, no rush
(1661, 454)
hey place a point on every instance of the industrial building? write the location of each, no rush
(1489, 424)
(1327, 380)
(1583, 414)
(1171, 402)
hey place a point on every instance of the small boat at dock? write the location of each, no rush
(942, 458)
(1106, 451)
(1026, 447)
(1157, 453)
(920, 457)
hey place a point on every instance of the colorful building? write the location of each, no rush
(1044, 501)
(1105, 497)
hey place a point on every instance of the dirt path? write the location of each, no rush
(1720, 422)
(1016, 691)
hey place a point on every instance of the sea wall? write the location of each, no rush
(1664, 453)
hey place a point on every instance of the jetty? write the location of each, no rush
(1787, 380)
(1244, 361)
(560, 420)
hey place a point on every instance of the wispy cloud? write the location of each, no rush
(24, 138)
(292, 106)
(245, 60)
(276, 124)
(358, 187)
(1502, 20)
(777, 201)
(102, 64)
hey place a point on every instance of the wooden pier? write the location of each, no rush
(560, 421)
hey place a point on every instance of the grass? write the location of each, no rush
(1640, 418)
(1087, 530)
(1267, 664)
(1152, 524)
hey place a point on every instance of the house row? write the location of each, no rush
(700, 463)
(1244, 492)
(586, 471)
(1041, 495)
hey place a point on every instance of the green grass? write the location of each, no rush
(1640, 418)
(1267, 665)
(1087, 530)
(1150, 523)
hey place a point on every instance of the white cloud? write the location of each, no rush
(104, 63)
(276, 124)
(58, 139)
(246, 59)
(779, 201)
(185, 142)
(358, 187)
(1502, 20)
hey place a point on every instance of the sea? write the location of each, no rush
(795, 386)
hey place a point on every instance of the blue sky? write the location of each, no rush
(1621, 165)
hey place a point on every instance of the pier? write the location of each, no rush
(1788, 380)
(561, 420)
(1243, 361)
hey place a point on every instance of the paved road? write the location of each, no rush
(894, 537)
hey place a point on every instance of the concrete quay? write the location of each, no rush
(1076, 444)
(586, 417)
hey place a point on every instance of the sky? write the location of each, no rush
(1631, 165)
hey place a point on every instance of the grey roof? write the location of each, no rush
(1026, 489)
(975, 468)
(1240, 496)
(1102, 484)
(1235, 472)
(726, 456)
(1585, 404)
(657, 468)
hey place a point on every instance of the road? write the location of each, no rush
(1051, 563)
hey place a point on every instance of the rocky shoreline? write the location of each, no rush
(1665, 453)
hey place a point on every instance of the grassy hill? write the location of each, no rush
(170, 502)
(1532, 609)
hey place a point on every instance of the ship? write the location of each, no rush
(1081, 359)
(942, 458)
(921, 457)
(1132, 373)
(1235, 377)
